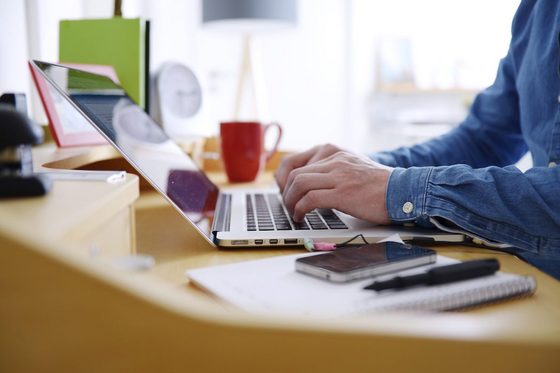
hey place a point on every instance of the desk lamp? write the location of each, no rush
(248, 17)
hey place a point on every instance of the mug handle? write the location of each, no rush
(270, 153)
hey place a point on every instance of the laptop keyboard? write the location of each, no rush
(266, 212)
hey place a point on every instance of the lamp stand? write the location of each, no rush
(250, 69)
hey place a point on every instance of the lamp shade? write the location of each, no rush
(249, 15)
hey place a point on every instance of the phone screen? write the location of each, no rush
(365, 260)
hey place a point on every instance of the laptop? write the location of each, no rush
(226, 218)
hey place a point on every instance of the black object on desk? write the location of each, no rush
(16, 100)
(17, 134)
(441, 275)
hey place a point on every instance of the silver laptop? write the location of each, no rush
(227, 218)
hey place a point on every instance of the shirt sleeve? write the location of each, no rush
(498, 204)
(490, 135)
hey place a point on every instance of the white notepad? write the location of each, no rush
(273, 286)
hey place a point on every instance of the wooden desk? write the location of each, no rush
(63, 309)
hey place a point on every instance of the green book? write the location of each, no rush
(120, 42)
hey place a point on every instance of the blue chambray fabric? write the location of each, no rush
(466, 178)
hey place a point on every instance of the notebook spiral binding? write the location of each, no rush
(454, 296)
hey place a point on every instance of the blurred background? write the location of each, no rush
(365, 74)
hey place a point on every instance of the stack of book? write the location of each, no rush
(119, 42)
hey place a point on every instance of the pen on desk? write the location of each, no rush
(440, 275)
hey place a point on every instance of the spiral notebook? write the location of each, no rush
(273, 286)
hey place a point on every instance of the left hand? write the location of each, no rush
(344, 181)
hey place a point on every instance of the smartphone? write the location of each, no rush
(357, 262)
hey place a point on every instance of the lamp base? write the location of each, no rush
(24, 186)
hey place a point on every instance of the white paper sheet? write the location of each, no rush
(273, 286)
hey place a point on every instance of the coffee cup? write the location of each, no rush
(243, 148)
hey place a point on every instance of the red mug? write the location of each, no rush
(243, 151)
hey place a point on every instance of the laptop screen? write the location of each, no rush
(138, 138)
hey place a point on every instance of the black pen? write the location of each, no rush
(440, 275)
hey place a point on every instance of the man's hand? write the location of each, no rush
(344, 181)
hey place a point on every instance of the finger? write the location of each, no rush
(312, 168)
(295, 161)
(318, 198)
(290, 163)
(323, 152)
(303, 184)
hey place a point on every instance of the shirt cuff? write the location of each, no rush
(406, 194)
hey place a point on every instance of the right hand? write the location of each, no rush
(291, 162)
(350, 183)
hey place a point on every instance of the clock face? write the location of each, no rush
(179, 91)
(132, 123)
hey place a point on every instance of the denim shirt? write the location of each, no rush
(466, 179)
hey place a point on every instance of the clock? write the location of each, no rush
(176, 99)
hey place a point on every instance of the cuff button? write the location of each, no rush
(408, 207)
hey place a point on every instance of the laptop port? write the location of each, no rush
(291, 241)
(273, 241)
(240, 242)
(259, 242)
